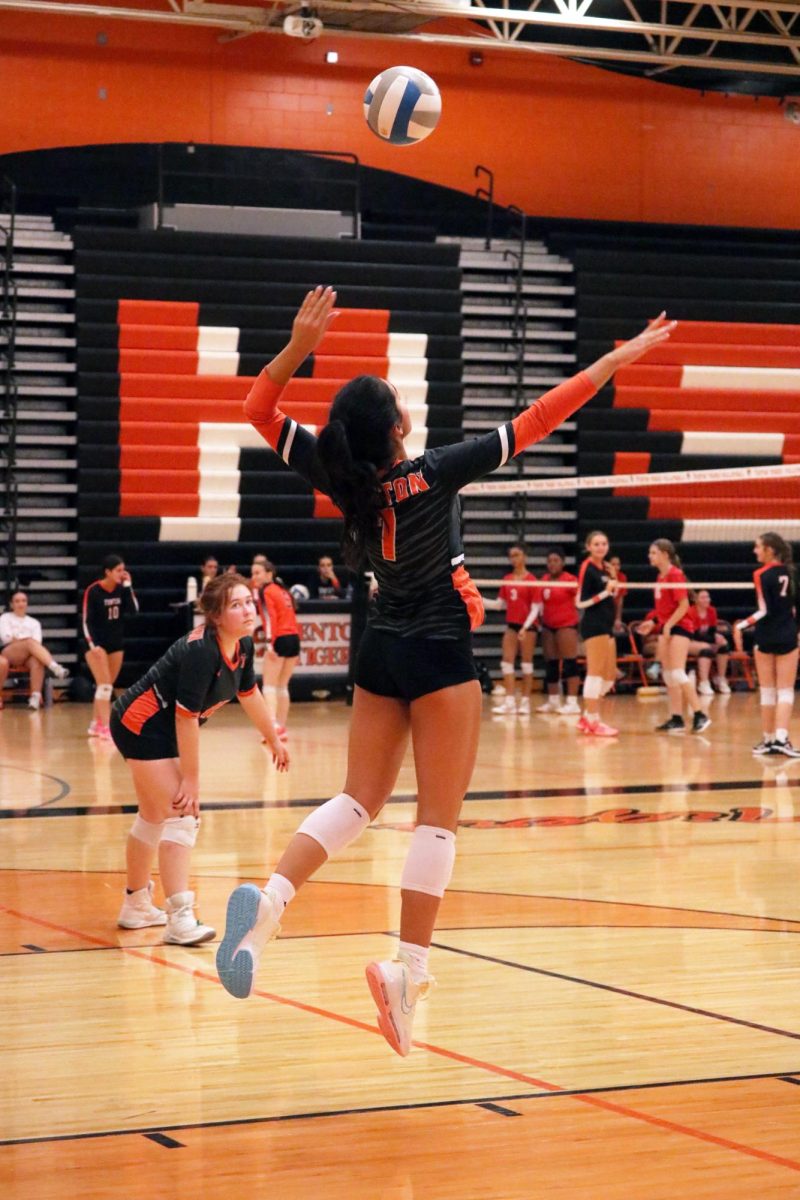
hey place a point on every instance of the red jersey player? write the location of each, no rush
(519, 602)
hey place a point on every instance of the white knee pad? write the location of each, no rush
(506, 668)
(283, 691)
(146, 831)
(592, 687)
(429, 863)
(675, 678)
(336, 823)
(269, 689)
(527, 668)
(103, 691)
(769, 697)
(785, 695)
(181, 830)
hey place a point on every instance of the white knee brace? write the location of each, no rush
(336, 823)
(785, 695)
(527, 668)
(769, 697)
(506, 668)
(429, 863)
(675, 678)
(103, 691)
(593, 687)
(147, 831)
(283, 691)
(181, 830)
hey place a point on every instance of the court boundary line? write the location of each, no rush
(367, 1110)
(593, 1101)
(620, 991)
(735, 785)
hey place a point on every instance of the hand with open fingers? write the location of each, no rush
(280, 756)
(314, 318)
(187, 799)
(654, 334)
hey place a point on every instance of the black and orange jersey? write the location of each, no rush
(104, 612)
(597, 615)
(775, 621)
(280, 612)
(416, 551)
(193, 679)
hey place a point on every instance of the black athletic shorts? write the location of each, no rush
(516, 626)
(287, 645)
(558, 628)
(406, 668)
(141, 746)
(679, 631)
(777, 648)
(595, 626)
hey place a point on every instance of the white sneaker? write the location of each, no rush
(550, 706)
(183, 927)
(524, 707)
(59, 671)
(570, 708)
(721, 684)
(252, 920)
(705, 689)
(653, 672)
(34, 701)
(507, 707)
(395, 994)
(138, 910)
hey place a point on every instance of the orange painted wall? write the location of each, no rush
(563, 139)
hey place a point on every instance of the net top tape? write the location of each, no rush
(574, 483)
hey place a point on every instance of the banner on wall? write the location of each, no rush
(324, 643)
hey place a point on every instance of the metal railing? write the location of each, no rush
(8, 386)
(237, 183)
(487, 194)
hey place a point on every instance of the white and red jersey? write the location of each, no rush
(558, 603)
(518, 600)
(668, 599)
(705, 622)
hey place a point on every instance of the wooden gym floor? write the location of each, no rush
(617, 960)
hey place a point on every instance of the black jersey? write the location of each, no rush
(193, 679)
(416, 550)
(775, 621)
(597, 616)
(104, 613)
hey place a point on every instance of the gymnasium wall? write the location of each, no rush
(563, 139)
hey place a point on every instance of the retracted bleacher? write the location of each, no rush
(172, 329)
(724, 393)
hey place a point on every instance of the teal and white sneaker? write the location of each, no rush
(252, 920)
(396, 994)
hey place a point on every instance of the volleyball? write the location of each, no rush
(402, 105)
(299, 591)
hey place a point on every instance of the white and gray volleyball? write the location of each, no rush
(299, 591)
(402, 105)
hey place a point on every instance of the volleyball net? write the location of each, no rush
(711, 516)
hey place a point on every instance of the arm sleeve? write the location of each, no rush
(763, 597)
(295, 445)
(247, 684)
(464, 462)
(195, 677)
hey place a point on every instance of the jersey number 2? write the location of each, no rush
(389, 519)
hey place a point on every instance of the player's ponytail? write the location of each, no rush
(783, 553)
(351, 449)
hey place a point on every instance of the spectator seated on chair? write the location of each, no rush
(21, 648)
(325, 583)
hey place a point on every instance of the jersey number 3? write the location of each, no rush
(388, 537)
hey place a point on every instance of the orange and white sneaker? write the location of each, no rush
(583, 726)
(396, 993)
(95, 729)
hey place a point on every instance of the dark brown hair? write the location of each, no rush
(666, 547)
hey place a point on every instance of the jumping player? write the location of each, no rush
(671, 621)
(596, 586)
(106, 604)
(518, 603)
(155, 725)
(415, 673)
(559, 621)
(775, 623)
